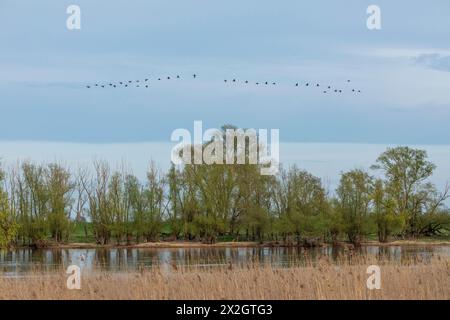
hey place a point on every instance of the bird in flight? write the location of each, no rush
(145, 81)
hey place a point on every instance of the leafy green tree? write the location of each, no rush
(406, 171)
(34, 202)
(8, 225)
(305, 204)
(354, 195)
(60, 191)
(384, 213)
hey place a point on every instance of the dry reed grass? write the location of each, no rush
(322, 279)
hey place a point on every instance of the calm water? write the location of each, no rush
(20, 262)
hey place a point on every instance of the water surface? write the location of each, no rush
(23, 261)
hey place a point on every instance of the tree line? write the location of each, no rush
(41, 203)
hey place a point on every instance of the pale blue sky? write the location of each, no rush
(403, 69)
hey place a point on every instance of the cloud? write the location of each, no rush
(434, 61)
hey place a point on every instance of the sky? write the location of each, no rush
(403, 70)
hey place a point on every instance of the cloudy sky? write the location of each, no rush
(403, 69)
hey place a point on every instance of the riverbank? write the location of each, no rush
(237, 244)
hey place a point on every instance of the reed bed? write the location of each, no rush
(344, 278)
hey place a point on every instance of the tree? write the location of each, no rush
(8, 225)
(33, 197)
(305, 204)
(384, 213)
(154, 204)
(354, 198)
(406, 171)
(99, 209)
(60, 191)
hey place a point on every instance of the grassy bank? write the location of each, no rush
(242, 244)
(324, 279)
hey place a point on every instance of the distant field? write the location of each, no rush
(79, 238)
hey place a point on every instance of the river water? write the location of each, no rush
(23, 261)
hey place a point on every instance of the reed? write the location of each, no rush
(321, 279)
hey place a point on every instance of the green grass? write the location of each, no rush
(78, 235)
(78, 232)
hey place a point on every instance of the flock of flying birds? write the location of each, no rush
(145, 83)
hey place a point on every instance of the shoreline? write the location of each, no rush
(243, 244)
